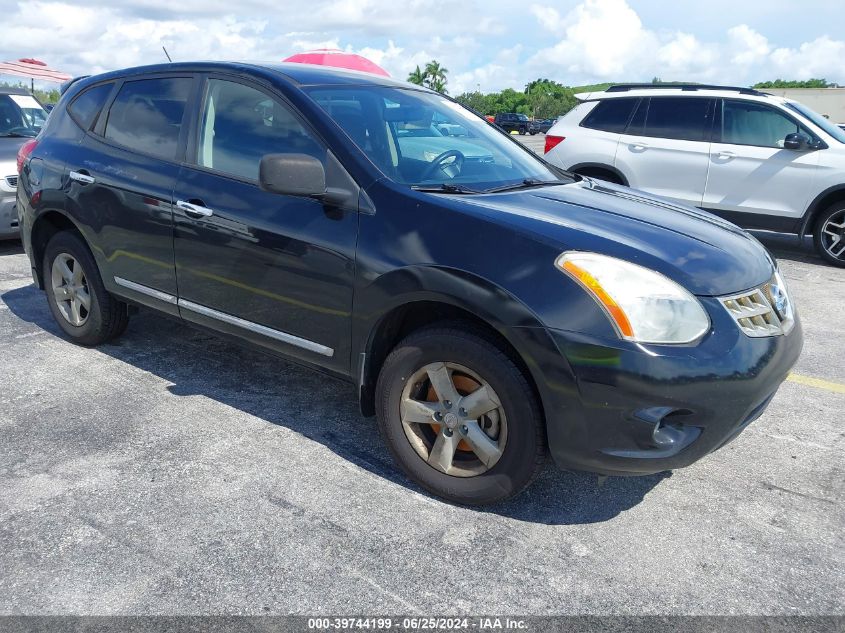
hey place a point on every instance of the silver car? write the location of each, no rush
(21, 118)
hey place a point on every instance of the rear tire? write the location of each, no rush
(829, 234)
(80, 304)
(496, 454)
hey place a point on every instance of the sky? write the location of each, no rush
(485, 44)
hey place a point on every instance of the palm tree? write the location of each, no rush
(435, 76)
(417, 76)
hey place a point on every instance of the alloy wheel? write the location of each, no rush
(453, 419)
(833, 235)
(70, 289)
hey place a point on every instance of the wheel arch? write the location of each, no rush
(580, 168)
(412, 298)
(829, 196)
(47, 224)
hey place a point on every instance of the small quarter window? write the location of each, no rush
(85, 108)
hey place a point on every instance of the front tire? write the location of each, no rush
(522, 131)
(459, 416)
(829, 234)
(80, 304)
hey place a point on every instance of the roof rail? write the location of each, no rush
(664, 86)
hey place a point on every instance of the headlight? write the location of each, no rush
(642, 304)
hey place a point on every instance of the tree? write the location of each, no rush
(44, 96)
(417, 76)
(807, 83)
(435, 76)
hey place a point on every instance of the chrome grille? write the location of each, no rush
(12, 181)
(763, 311)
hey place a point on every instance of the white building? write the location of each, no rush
(827, 101)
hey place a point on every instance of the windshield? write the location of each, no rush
(20, 115)
(833, 130)
(423, 139)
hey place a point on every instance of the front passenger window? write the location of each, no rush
(241, 124)
(749, 123)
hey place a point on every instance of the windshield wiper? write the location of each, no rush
(14, 135)
(444, 188)
(525, 184)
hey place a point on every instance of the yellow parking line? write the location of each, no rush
(835, 387)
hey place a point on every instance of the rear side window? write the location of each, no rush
(147, 115)
(85, 108)
(682, 118)
(610, 115)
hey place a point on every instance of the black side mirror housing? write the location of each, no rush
(293, 175)
(796, 141)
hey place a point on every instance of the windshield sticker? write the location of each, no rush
(25, 101)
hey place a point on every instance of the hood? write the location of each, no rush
(703, 253)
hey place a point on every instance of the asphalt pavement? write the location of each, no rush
(171, 472)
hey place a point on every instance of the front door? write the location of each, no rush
(666, 147)
(751, 174)
(275, 269)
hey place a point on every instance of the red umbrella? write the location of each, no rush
(338, 59)
(33, 69)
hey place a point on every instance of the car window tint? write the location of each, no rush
(241, 124)
(683, 118)
(637, 122)
(750, 123)
(147, 115)
(85, 108)
(610, 115)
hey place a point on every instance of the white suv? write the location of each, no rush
(761, 161)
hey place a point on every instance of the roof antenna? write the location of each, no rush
(168, 54)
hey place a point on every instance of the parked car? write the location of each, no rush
(21, 117)
(485, 311)
(761, 161)
(513, 122)
(545, 125)
(446, 128)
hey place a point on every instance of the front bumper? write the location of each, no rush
(639, 409)
(9, 227)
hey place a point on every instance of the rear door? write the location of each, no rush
(121, 181)
(594, 142)
(274, 269)
(751, 174)
(665, 149)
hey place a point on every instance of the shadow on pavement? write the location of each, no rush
(200, 363)
(11, 247)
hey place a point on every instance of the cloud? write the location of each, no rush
(605, 40)
(486, 43)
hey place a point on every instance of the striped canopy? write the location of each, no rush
(32, 68)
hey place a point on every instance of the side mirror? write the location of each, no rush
(796, 141)
(292, 175)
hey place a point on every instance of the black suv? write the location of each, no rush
(513, 122)
(485, 305)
